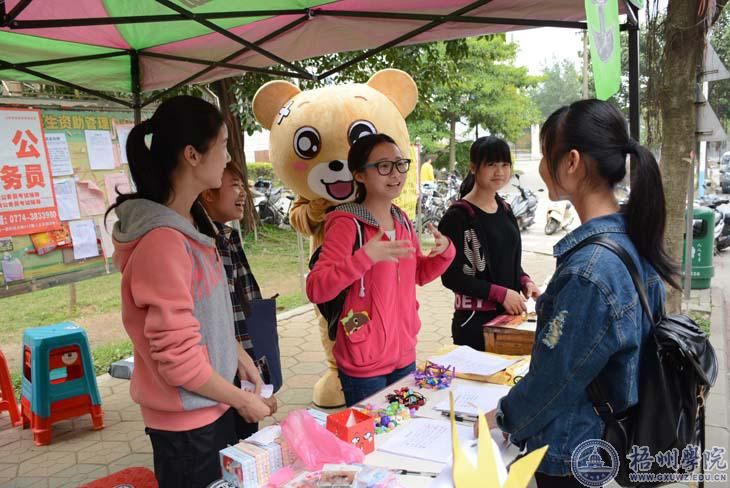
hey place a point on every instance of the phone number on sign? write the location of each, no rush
(28, 217)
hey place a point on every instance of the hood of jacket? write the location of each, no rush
(139, 216)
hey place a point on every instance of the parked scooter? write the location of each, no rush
(721, 207)
(271, 204)
(524, 205)
(559, 216)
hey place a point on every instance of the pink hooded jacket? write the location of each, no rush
(379, 321)
(176, 308)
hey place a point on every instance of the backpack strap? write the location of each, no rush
(607, 243)
(464, 205)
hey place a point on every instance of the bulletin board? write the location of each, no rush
(87, 166)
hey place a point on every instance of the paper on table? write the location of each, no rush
(499, 449)
(468, 360)
(426, 439)
(116, 183)
(100, 149)
(470, 400)
(83, 235)
(58, 154)
(123, 131)
(91, 198)
(266, 435)
(66, 199)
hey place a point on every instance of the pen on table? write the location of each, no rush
(460, 418)
(415, 473)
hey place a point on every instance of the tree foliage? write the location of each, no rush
(561, 85)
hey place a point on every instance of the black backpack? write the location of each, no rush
(677, 368)
(332, 309)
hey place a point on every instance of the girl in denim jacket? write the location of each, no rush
(590, 322)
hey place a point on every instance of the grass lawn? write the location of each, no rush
(273, 258)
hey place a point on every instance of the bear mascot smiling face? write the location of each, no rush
(312, 131)
(310, 135)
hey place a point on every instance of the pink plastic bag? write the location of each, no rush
(314, 445)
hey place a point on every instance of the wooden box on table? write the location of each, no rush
(511, 335)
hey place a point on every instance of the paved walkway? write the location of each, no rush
(79, 455)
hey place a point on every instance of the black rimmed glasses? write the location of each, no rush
(385, 168)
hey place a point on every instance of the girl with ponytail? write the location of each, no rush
(590, 323)
(486, 275)
(176, 306)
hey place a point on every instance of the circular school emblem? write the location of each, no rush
(594, 463)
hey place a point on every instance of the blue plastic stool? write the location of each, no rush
(58, 380)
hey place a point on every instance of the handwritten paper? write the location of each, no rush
(91, 198)
(59, 154)
(83, 235)
(470, 400)
(100, 149)
(123, 131)
(426, 439)
(468, 360)
(66, 200)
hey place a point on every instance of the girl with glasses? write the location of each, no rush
(486, 275)
(371, 250)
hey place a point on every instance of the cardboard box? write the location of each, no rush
(238, 468)
(354, 427)
(261, 458)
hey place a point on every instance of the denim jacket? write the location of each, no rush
(590, 324)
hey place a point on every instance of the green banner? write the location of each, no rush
(605, 41)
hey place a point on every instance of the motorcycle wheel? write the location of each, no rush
(268, 215)
(551, 227)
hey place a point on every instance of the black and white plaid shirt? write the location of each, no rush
(241, 282)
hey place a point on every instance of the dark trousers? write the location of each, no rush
(243, 429)
(189, 459)
(545, 481)
(467, 328)
(357, 389)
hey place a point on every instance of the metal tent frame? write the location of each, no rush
(10, 20)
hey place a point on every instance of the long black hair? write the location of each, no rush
(598, 130)
(487, 149)
(358, 156)
(177, 123)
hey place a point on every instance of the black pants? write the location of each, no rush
(243, 429)
(545, 481)
(466, 328)
(189, 459)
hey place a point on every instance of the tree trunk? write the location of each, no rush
(684, 43)
(223, 90)
(452, 144)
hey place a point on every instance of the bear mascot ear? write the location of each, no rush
(269, 100)
(398, 86)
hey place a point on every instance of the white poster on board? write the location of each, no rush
(100, 149)
(59, 154)
(66, 199)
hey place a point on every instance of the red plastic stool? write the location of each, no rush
(127, 478)
(7, 395)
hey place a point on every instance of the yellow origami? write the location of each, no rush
(466, 475)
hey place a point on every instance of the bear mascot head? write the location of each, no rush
(310, 135)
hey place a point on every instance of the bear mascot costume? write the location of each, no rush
(310, 135)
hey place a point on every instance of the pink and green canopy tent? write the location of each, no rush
(108, 47)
